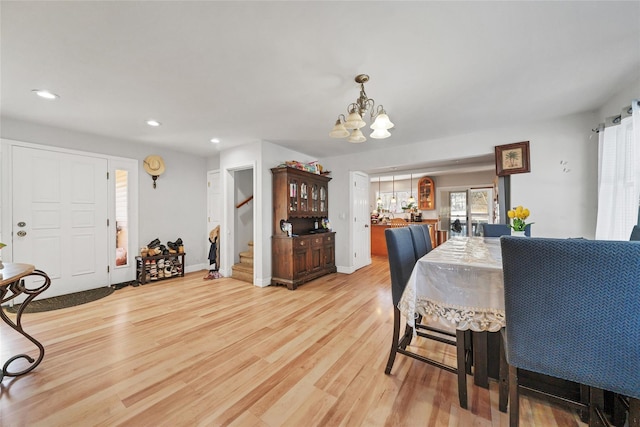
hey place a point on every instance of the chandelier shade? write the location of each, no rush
(357, 136)
(393, 194)
(382, 122)
(339, 131)
(411, 199)
(354, 121)
(356, 114)
(380, 134)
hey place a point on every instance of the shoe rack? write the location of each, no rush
(159, 267)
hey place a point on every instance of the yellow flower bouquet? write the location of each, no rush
(517, 216)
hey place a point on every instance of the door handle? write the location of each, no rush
(366, 226)
(21, 233)
(22, 224)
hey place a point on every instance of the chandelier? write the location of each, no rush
(354, 121)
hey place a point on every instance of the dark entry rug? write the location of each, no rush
(64, 301)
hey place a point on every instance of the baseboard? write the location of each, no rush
(262, 283)
(345, 270)
(195, 267)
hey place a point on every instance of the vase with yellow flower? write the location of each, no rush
(517, 216)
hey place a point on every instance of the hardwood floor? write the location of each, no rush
(194, 352)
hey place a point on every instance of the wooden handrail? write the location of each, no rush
(248, 199)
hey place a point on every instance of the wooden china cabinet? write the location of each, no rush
(300, 199)
(426, 194)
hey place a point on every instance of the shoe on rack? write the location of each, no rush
(173, 246)
(154, 243)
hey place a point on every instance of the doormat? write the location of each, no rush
(63, 301)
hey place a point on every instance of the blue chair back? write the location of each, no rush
(497, 230)
(572, 310)
(402, 258)
(635, 233)
(421, 240)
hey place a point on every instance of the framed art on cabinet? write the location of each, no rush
(512, 158)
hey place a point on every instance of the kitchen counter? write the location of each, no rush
(379, 242)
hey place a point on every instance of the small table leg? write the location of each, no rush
(16, 288)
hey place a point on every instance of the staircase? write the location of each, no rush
(244, 269)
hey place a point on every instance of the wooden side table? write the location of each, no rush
(11, 286)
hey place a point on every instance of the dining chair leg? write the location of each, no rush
(461, 350)
(503, 386)
(634, 412)
(514, 397)
(596, 408)
(394, 343)
(620, 406)
(585, 394)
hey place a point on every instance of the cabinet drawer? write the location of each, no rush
(300, 242)
(317, 241)
(328, 239)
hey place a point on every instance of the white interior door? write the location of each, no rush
(214, 204)
(60, 217)
(361, 237)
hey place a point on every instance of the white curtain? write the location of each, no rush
(619, 174)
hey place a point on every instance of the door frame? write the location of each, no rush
(212, 220)
(357, 209)
(121, 274)
(113, 162)
(444, 208)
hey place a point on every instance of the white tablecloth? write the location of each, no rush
(458, 285)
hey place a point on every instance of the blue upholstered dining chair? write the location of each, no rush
(497, 230)
(402, 258)
(635, 233)
(421, 240)
(571, 310)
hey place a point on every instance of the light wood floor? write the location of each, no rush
(194, 352)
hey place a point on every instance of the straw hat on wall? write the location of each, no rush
(154, 165)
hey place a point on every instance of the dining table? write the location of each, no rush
(12, 288)
(458, 285)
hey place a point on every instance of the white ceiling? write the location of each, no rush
(283, 71)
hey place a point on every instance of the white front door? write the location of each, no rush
(361, 235)
(60, 217)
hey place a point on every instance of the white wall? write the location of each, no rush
(262, 156)
(562, 204)
(618, 101)
(176, 208)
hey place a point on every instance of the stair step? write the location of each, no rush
(242, 272)
(247, 254)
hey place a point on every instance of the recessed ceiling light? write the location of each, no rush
(153, 123)
(215, 140)
(43, 93)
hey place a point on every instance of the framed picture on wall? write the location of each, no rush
(512, 158)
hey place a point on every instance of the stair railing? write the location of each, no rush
(247, 200)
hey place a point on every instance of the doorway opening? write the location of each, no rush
(468, 209)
